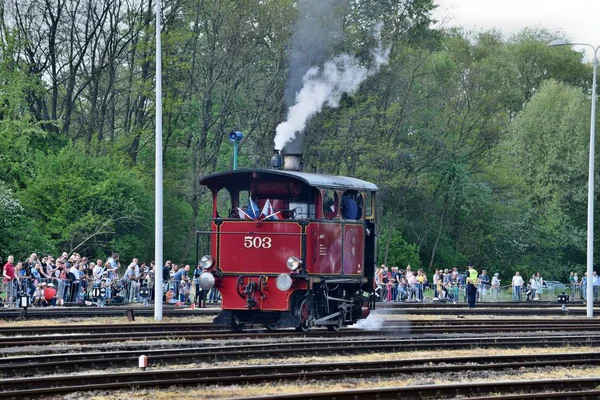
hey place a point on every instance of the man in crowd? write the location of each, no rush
(8, 274)
(484, 283)
(132, 277)
(517, 286)
(49, 295)
(495, 286)
(180, 276)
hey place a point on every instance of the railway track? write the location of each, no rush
(384, 308)
(575, 388)
(485, 304)
(30, 387)
(94, 334)
(208, 326)
(53, 363)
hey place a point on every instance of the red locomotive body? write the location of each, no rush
(290, 249)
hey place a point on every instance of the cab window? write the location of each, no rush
(368, 209)
(330, 203)
(224, 204)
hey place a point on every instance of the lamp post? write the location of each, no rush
(590, 227)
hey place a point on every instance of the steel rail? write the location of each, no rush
(485, 304)
(194, 326)
(186, 334)
(54, 313)
(571, 395)
(14, 387)
(52, 363)
(566, 386)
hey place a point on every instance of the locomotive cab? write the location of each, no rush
(290, 249)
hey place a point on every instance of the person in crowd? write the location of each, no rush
(38, 295)
(596, 284)
(113, 260)
(577, 285)
(150, 277)
(394, 284)
(198, 293)
(50, 268)
(402, 290)
(483, 285)
(471, 292)
(572, 284)
(131, 279)
(533, 287)
(495, 286)
(388, 285)
(384, 281)
(181, 276)
(421, 281)
(454, 285)
(540, 286)
(412, 285)
(73, 280)
(435, 279)
(378, 285)
(397, 279)
(9, 275)
(49, 295)
(517, 286)
(441, 287)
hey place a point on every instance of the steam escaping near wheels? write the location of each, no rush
(378, 322)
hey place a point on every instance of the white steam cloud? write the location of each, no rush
(342, 74)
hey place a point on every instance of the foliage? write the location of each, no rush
(477, 142)
(89, 205)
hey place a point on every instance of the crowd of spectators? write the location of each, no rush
(450, 285)
(74, 278)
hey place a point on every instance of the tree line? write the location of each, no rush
(477, 141)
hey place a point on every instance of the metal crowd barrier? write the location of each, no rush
(504, 293)
(89, 291)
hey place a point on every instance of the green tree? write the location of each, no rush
(89, 205)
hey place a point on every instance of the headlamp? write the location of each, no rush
(206, 281)
(293, 263)
(206, 262)
(284, 282)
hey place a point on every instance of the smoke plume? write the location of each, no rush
(342, 74)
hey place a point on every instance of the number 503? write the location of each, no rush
(257, 242)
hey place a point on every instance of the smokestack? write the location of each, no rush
(276, 160)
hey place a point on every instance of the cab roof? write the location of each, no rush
(222, 179)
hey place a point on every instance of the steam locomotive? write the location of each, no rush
(288, 248)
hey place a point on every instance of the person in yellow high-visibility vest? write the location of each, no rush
(472, 286)
(473, 273)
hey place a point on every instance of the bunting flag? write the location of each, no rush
(268, 212)
(252, 210)
(243, 214)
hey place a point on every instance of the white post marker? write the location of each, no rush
(143, 362)
(158, 182)
(589, 290)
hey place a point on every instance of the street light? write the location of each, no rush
(590, 227)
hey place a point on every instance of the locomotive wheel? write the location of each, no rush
(236, 326)
(336, 327)
(303, 313)
(270, 327)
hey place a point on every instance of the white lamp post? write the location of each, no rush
(158, 181)
(590, 227)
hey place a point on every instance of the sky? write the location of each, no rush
(578, 19)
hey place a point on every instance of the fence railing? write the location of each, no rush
(101, 293)
(452, 293)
